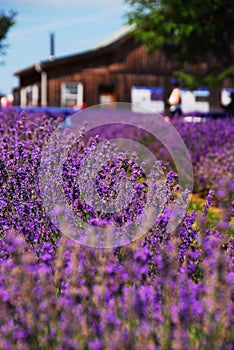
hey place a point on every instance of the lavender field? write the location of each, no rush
(165, 290)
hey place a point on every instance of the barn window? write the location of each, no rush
(72, 94)
(106, 93)
(29, 96)
(202, 95)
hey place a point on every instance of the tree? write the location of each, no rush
(7, 20)
(194, 31)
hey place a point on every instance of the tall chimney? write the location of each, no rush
(52, 57)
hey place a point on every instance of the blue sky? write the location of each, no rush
(77, 24)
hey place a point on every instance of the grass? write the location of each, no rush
(214, 215)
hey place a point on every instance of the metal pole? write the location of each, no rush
(43, 88)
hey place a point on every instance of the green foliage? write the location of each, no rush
(7, 20)
(193, 32)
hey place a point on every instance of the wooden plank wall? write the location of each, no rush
(124, 65)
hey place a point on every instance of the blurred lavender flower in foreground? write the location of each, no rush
(168, 290)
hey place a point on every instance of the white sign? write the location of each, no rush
(195, 101)
(150, 98)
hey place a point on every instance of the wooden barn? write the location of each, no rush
(117, 70)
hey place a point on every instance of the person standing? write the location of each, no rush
(229, 108)
(174, 100)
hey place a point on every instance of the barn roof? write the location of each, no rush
(117, 35)
(106, 45)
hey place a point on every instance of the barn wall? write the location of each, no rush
(121, 66)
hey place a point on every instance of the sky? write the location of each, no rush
(78, 25)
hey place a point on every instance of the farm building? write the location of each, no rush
(117, 70)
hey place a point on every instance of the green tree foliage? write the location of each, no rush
(192, 31)
(7, 20)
